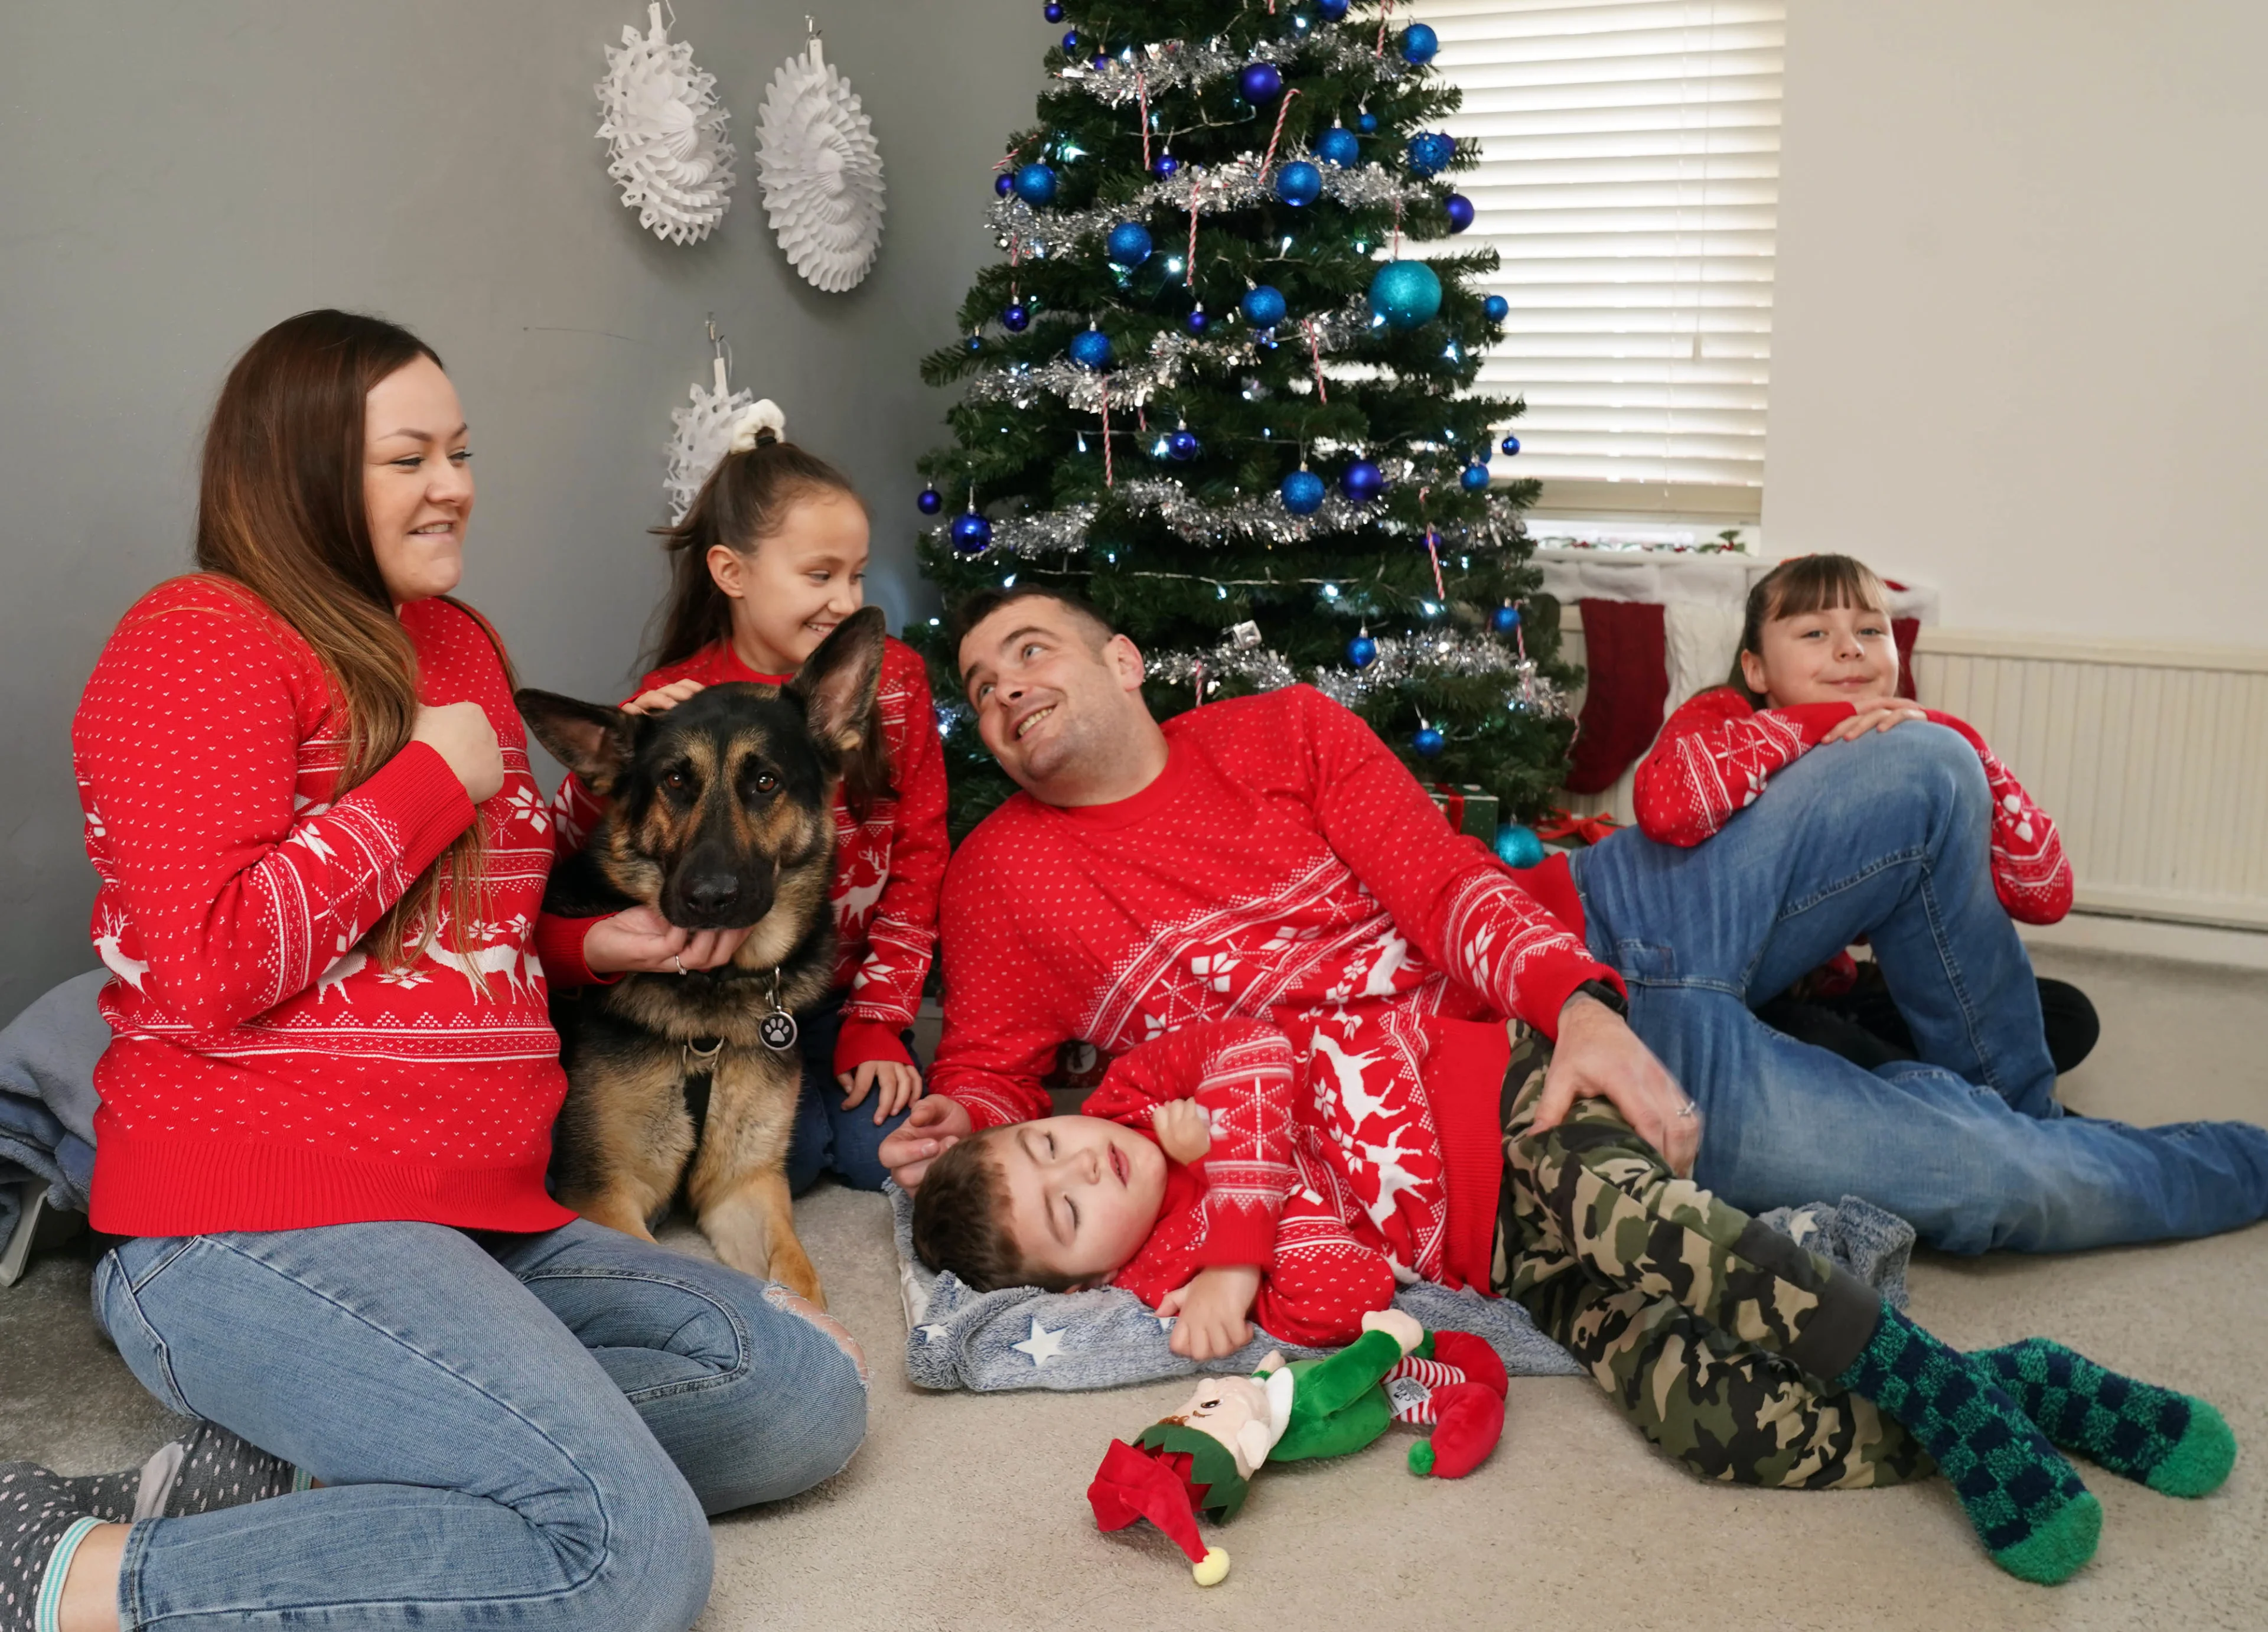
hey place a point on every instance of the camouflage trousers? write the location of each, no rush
(1709, 1330)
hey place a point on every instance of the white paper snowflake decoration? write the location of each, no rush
(670, 151)
(821, 173)
(704, 432)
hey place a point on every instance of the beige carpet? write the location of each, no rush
(968, 1511)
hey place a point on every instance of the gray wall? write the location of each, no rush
(174, 178)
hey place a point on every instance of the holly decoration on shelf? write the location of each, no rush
(1265, 414)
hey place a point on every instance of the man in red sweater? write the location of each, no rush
(1268, 857)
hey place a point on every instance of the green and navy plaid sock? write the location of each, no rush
(2171, 1442)
(2036, 1518)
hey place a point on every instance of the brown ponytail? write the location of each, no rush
(281, 514)
(746, 500)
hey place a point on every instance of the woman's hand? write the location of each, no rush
(461, 734)
(1875, 714)
(642, 941)
(895, 1084)
(1599, 1057)
(662, 698)
(932, 1127)
(1212, 1312)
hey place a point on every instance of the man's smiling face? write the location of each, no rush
(1056, 695)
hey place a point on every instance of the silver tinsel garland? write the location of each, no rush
(1215, 191)
(1134, 382)
(1067, 530)
(1175, 63)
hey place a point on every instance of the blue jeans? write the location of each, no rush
(1885, 837)
(827, 1137)
(512, 1430)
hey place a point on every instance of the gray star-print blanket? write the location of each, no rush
(1020, 1337)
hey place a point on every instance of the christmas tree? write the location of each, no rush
(1213, 387)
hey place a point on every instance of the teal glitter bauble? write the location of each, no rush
(1519, 847)
(1405, 293)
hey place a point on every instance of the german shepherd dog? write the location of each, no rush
(720, 816)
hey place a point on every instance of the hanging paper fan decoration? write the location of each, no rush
(670, 151)
(704, 432)
(821, 173)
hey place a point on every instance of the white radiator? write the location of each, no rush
(2153, 759)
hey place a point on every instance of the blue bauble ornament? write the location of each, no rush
(1474, 479)
(1362, 652)
(1052, 11)
(1099, 63)
(1363, 482)
(1459, 210)
(1003, 184)
(1260, 82)
(972, 534)
(1090, 348)
(1519, 847)
(1035, 185)
(1198, 322)
(1263, 305)
(1509, 446)
(1163, 167)
(1405, 293)
(1429, 740)
(929, 501)
(1128, 245)
(1505, 618)
(1496, 308)
(1418, 44)
(976, 342)
(1367, 123)
(1016, 317)
(1299, 182)
(1430, 152)
(1302, 492)
(1332, 10)
(1338, 147)
(1071, 40)
(1183, 444)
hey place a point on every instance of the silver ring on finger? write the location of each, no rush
(680, 962)
(1688, 1111)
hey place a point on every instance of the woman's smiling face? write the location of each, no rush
(417, 481)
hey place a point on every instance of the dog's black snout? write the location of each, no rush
(712, 892)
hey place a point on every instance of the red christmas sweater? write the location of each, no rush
(1283, 866)
(266, 1071)
(1718, 751)
(1276, 1188)
(888, 869)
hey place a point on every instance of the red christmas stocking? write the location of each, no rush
(1627, 655)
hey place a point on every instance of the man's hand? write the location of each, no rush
(934, 1126)
(898, 1083)
(1875, 714)
(662, 698)
(1212, 1311)
(1599, 1057)
(1183, 1129)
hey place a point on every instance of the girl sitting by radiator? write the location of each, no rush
(1817, 664)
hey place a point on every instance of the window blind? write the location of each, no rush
(1629, 183)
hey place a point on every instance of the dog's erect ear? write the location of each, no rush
(836, 684)
(589, 739)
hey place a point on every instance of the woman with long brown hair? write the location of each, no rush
(327, 1102)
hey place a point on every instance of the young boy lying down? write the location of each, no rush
(1213, 1176)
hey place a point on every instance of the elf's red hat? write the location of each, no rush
(1131, 1486)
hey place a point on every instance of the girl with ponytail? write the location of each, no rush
(768, 559)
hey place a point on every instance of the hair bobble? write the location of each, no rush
(750, 428)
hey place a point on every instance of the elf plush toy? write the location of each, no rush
(1201, 1459)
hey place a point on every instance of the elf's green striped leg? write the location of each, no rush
(1709, 1330)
